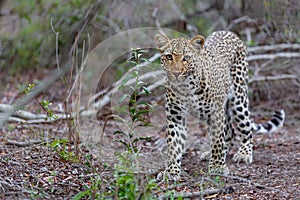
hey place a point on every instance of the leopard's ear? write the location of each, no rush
(161, 42)
(197, 42)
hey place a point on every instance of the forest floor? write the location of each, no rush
(35, 161)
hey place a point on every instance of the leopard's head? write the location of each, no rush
(178, 55)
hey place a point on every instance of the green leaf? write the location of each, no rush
(134, 118)
(132, 110)
(132, 62)
(145, 103)
(141, 139)
(119, 132)
(123, 97)
(144, 124)
(123, 142)
(11, 127)
(80, 195)
(132, 88)
(141, 83)
(142, 112)
(145, 89)
(135, 73)
(143, 51)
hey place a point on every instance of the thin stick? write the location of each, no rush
(273, 78)
(56, 42)
(273, 56)
(22, 144)
(276, 47)
(193, 194)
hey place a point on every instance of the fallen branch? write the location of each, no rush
(276, 47)
(194, 194)
(23, 116)
(21, 113)
(238, 21)
(272, 78)
(273, 56)
(22, 144)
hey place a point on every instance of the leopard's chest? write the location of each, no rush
(200, 105)
(195, 99)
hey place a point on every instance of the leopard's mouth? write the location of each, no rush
(177, 77)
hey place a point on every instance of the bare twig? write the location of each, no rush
(273, 56)
(21, 113)
(272, 78)
(248, 35)
(38, 121)
(276, 47)
(82, 66)
(56, 43)
(24, 116)
(194, 194)
(157, 23)
(22, 144)
(239, 20)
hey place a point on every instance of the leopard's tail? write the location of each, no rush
(271, 126)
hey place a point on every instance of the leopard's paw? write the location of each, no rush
(171, 173)
(218, 169)
(242, 156)
(166, 176)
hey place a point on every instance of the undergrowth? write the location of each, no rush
(128, 180)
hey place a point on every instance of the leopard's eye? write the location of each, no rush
(186, 58)
(169, 57)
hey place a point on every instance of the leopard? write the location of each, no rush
(207, 78)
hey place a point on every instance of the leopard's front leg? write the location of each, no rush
(217, 142)
(176, 137)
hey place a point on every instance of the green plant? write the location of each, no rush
(45, 104)
(91, 190)
(137, 110)
(219, 181)
(127, 182)
(60, 146)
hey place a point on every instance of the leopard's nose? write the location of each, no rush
(176, 73)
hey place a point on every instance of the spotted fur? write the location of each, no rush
(208, 79)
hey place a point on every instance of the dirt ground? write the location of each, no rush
(37, 170)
